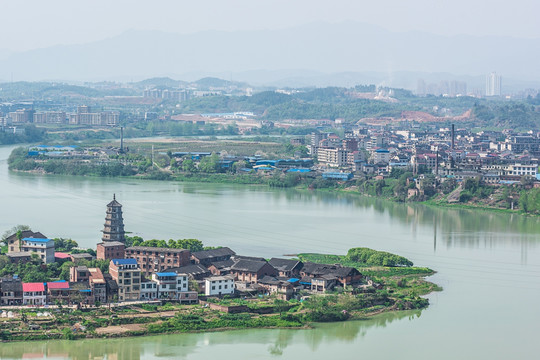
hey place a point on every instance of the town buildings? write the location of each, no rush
(110, 250)
(127, 274)
(153, 259)
(219, 285)
(34, 294)
(11, 290)
(44, 248)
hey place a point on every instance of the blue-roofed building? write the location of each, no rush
(381, 156)
(127, 274)
(124, 262)
(273, 163)
(337, 176)
(302, 171)
(44, 248)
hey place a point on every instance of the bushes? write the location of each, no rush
(192, 322)
(376, 258)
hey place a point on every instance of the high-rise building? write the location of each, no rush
(493, 84)
(114, 223)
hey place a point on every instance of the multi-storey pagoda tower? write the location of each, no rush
(114, 223)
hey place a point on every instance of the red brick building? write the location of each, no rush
(110, 250)
(154, 259)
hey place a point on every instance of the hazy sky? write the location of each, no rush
(28, 24)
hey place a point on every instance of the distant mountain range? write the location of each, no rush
(317, 54)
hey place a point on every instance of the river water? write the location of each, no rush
(488, 264)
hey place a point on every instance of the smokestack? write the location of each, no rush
(453, 137)
(121, 139)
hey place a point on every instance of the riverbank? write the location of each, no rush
(382, 289)
(398, 186)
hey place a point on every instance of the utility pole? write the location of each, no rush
(152, 157)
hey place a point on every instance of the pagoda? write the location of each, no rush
(114, 223)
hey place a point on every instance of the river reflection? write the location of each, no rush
(274, 342)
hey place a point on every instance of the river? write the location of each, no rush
(488, 264)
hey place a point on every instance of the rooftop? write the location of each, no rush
(111, 243)
(124, 261)
(214, 278)
(33, 287)
(208, 254)
(166, 274)
(37, 240)
(58, 285)
(155, 249)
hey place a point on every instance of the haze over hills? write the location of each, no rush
(324, 54)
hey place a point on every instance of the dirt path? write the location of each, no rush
(119, 329)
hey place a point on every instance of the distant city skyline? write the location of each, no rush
(493, 84)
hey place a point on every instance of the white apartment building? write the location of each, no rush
(332, 157)
(219, 285)
(43, 247)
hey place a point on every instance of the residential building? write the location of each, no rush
(342, 274)
(522, 169)
(19, 257)
(34, 294)
(283, 289)
(77, 258)
(14, 245)
(286, 267)
(170, 284)
(207, 257)
(50, 117)
(221, 267)
(149, 289)
(252, 270)
(98, 285)
(78, 274)
(44, 248)
(154, 259)
(58, 291)
(343, 176)
(219, 285)
(127, 274)
(381, 156)
(333, 157)
(11, 290)
(111, 250)
(194, 272)
(21, 116)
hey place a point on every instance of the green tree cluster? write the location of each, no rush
(529, 201)
(376, 258)
(189, 244)
(64, 245)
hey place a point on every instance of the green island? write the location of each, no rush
(389, 283)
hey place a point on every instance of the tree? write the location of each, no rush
(209, 164)
(189, 166)
(280, 306)
(14, 230)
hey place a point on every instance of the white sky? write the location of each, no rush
(28, 24)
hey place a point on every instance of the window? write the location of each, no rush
(213, 288)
